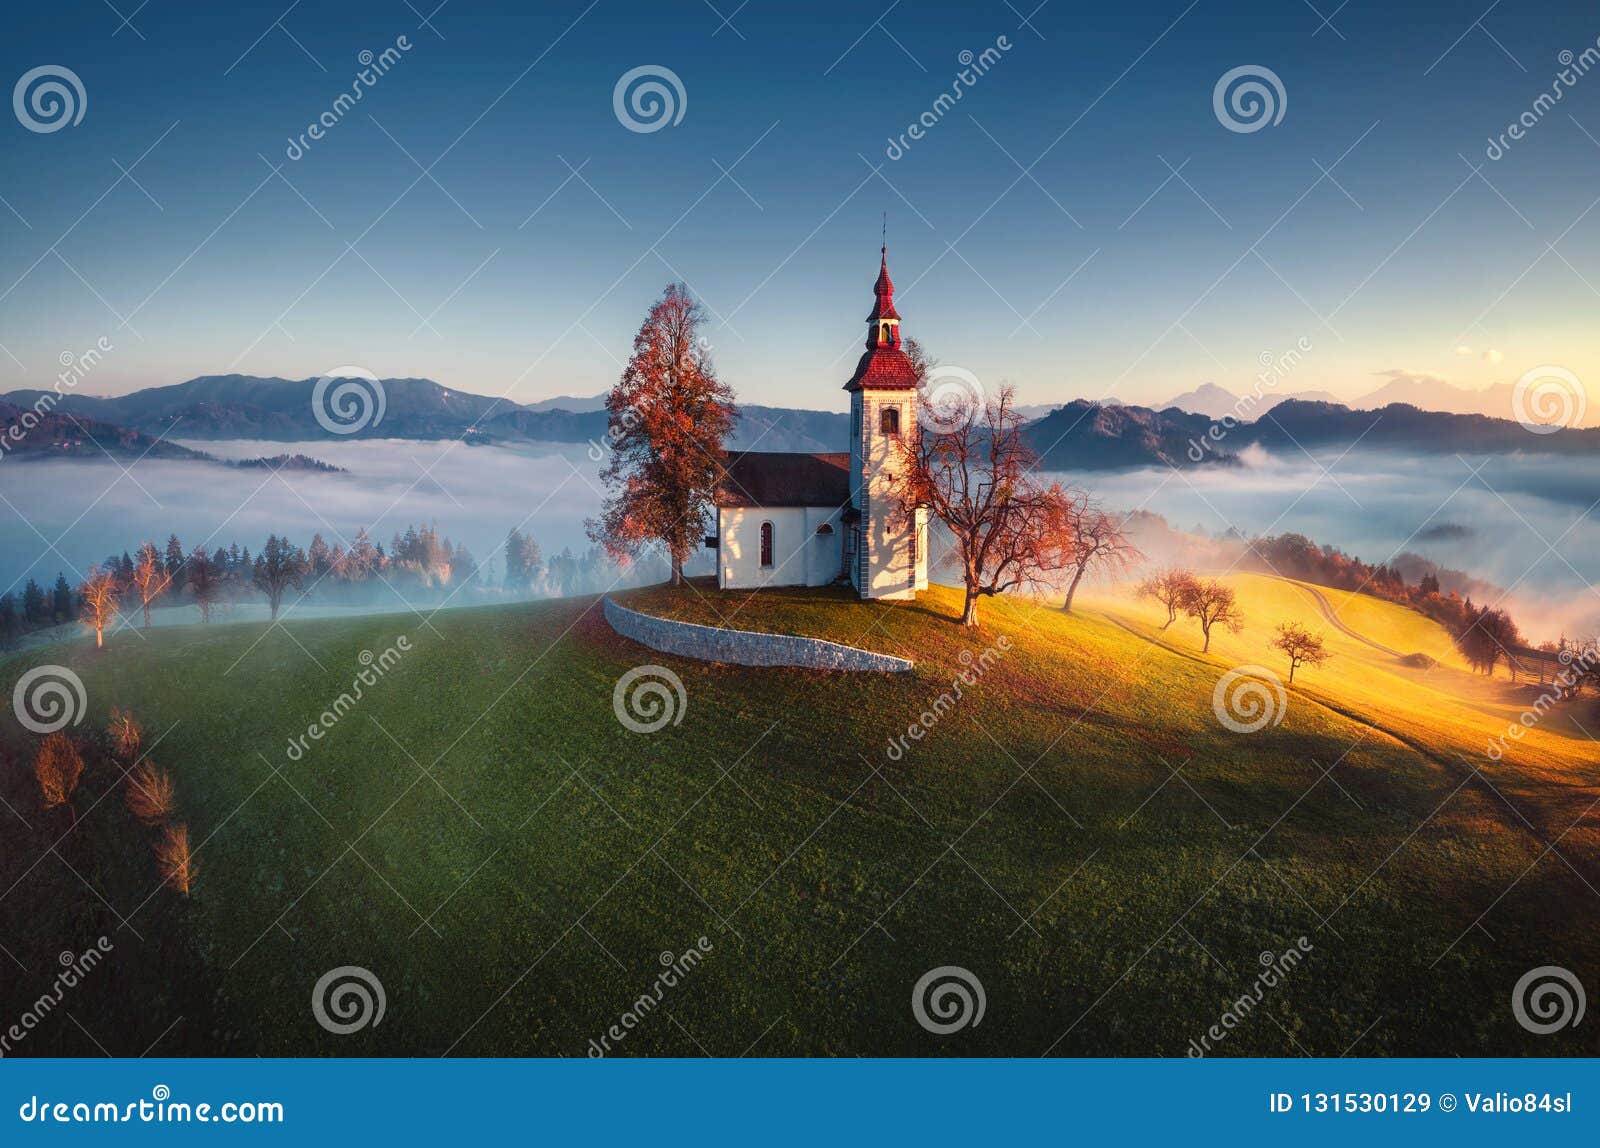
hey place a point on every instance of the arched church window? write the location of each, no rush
(766, 544)
(889, 420)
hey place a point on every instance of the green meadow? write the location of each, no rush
(1078, 830)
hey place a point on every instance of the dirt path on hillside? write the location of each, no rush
(1332, 618)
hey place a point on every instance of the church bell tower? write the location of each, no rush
(886, 551)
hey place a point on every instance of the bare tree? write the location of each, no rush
(151, 795)
(1098, 542)
(1212, 603)
(971, 469)
(99, 594)
(126, 735)
(175, 860)
(666, 421)
(204, 580)
(1304, 647)
(58, 766)
(150, 578)
(1169, 587)
(279, 567)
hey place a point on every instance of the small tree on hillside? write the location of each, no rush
(279, 567)
(150, 578)
(203, 579)
(1169, 587)
(58, 766)
(1099, 543)
(175, 860)
(99, 596)
(151, 795)
(125, 735)
(667, 418)
(1212, 603)
(972, 470)
(1303, 647)
(1489, 636)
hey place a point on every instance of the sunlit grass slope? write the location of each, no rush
(1078, 830)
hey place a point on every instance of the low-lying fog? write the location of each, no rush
(1523, 522)
(60, 515)
(1526, 523)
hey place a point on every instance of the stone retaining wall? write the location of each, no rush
(744, 647)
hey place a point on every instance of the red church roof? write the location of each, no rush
(883, 289)
(772, 478)
(884, 366)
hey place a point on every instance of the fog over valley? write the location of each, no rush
(1494, 519)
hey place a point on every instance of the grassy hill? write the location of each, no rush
(1078, 829)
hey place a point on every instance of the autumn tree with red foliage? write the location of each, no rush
(972, 470)
(58, 767)
(1169, 587)
(667, 418)
(1303, 647)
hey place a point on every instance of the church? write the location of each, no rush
(787, 519)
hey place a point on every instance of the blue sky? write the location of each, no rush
(1097, 272)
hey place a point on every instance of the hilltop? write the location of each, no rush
(1078, 829)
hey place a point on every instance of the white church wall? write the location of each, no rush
(800, 556)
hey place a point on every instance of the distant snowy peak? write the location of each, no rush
(1215, 401)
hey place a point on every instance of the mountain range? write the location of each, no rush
(1426, 392)
(1079, 435)
(53, 434)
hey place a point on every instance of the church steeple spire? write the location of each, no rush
(884, 322)
(884, 366)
